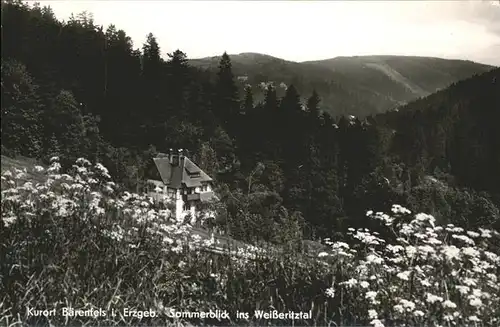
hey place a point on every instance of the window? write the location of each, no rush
(194, 174)
(186, 206)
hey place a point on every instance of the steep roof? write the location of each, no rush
(185, 173)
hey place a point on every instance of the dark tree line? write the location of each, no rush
(78, 90)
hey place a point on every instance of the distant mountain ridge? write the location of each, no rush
(360, 85)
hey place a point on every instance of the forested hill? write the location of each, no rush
(359, 86)
(284, 170)
(458, 127)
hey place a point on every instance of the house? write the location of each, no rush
(182, 183)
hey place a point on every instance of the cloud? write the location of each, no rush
(487, 55)
(486, 13)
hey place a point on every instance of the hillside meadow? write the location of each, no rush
(76, 241)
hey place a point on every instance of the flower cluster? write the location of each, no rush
(86, 194)
(429, 276)
(81, 224)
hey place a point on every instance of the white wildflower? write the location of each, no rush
(9, 220)
(464, 239)
(407, 305)
(425, 282)
(372, 258)
(425, 249)
(423, 217)
(418, 313)
(351, 282)
(397, 209)
(485, 233)
(462, 289)
(370, 295)
(411, 251)
(395, 248)
(39, 169)
(431, 298)
(433, 241)
(405, 275)
(364, 284)
(473, 234)
(492, 257)
(469, 281)
(475, 302)
(399, 308)
(177, 249)
(376, 323)
(448, 304)
(451, 252)
(492, 277)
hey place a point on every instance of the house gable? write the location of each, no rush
(182, 182)
(177, 171)
(193, 176)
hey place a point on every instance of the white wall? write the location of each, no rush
(179, 212)
(179, 206)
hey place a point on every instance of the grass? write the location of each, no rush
(22, 163)
(73, 241)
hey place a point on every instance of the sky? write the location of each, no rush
(305, 30)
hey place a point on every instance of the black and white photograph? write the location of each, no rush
(250, 163)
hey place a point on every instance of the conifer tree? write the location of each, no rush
(248, 102)
(178, 83)
(65, 122)
(313, 104)
(151, 60)
(21, 110)
(226, 98)
(271, 100)
(122, 71)
(290, 104)
(151, 90)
